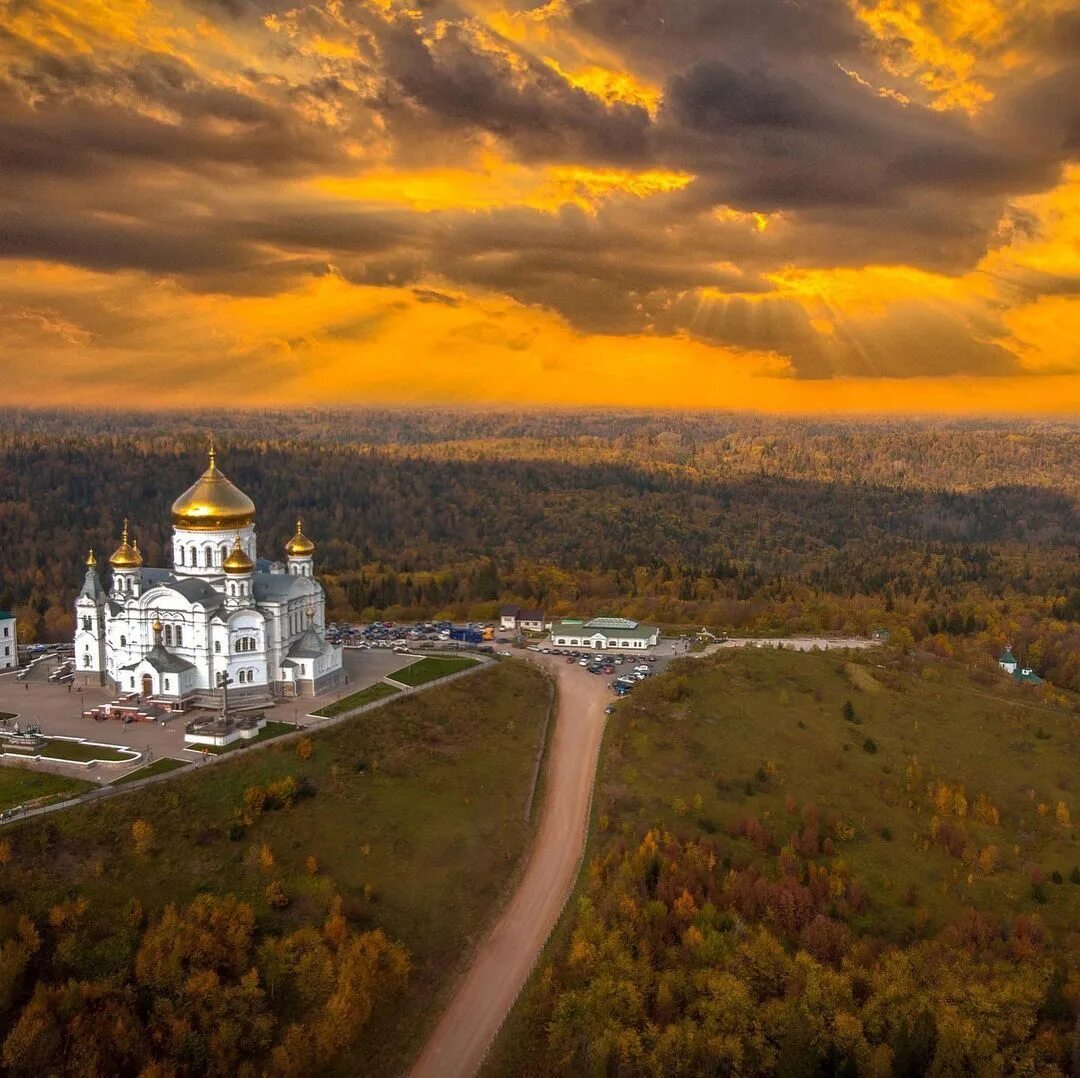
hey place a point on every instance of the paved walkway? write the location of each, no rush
(506, 957)
(793, 643)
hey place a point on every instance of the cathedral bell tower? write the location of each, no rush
(90, 627)
(300, 552)
(126, 563)
(238, 568)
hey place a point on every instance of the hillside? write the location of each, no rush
(809, 864)
(346, 875)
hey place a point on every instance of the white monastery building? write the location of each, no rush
(219, 615)
(9, 647)
(604, 634)
(515, 618)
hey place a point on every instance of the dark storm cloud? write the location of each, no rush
(764, 139)
(466, 81)
(676, 32)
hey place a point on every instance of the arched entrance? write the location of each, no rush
(147, 685)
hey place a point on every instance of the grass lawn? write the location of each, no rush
(416, 822)
(759, 732)
(18, 785)
(270, 730)
(78, 751)
(158, 767)
(379, 691)
(431, 668)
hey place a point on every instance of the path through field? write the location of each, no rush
(504, 960)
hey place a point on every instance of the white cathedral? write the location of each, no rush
(219, 617)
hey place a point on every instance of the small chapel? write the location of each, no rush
(222, 619)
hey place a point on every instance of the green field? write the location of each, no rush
(416, 822)
(161, 766)
(77, 751)
(430, 669)
(379, 691)
(937, 792)
(18, 785)
(751, 729)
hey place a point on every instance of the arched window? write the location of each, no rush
(208, 556)
(193, 561)
(123, 641)
(86, 624)
(224, 552)
(179, 636)
(217, 647)
(166, 684)
(168, 636)
(179, 555)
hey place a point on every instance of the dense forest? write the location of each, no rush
(813, 866)
(957, 535)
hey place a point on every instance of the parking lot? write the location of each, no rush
(620, 672)
(58, 708)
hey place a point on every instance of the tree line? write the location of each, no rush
(961, 535)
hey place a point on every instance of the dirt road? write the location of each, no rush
(505, 959)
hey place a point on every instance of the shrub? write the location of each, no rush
(848, 711)
(870, 745)
(276, 898)
(1074, 876)
(142, 834)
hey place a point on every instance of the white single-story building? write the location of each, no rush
(604, 634)
(9, 647)
(515, 618)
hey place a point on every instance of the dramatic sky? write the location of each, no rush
(779, 204)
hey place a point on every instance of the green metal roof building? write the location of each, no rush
(604, 634)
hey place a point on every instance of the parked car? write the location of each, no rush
(583, 662)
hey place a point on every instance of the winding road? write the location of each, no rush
(504, 960)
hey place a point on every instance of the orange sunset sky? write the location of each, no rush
(792, 205)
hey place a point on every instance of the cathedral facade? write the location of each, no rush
(220, 619)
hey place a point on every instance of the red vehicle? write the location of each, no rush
(571, 660)
(608, 670)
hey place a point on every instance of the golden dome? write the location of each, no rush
(238, 561)
(91, 559)
(126, 555)
(213, 503)
(299, 546)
